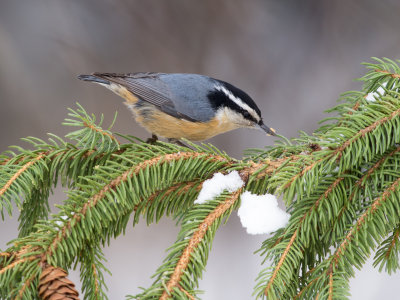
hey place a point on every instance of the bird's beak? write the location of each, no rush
(269, 131)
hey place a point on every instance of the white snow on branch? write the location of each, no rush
(261, 214)
(63, 218)
(214, 186)
(379, 92)
(61, 223)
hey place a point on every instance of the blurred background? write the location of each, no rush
(293, 57)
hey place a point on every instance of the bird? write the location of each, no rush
(181, 105)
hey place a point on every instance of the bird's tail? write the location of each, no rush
(114, 84)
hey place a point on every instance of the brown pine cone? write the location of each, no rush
(54, 285)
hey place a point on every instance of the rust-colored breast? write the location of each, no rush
(162, 124)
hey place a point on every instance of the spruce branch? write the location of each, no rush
(180, 272)
(53, 245)
(194, 241)
(112, 186)
(92, 273)
(348, 210)
(341, 265)
(328, 151)
(387, 256)
(341, 186)
(91, 135)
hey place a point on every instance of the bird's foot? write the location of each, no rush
(178, 142)
(152, 140)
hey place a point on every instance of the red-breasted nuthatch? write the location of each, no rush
(190, 106)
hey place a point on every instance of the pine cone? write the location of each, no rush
(54, 285)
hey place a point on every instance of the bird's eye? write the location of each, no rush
(246, 115)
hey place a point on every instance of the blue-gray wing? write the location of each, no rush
(190, 94)
(183, 96)
(162, 90)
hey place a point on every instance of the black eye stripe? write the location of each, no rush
(243, 96)
(220, 99)
(248, 116)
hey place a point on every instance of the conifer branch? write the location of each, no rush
(362, 220)
(395, 239)
(301, 173)
(178, 189)
(298, 231)
(96, 281)
(18, 173)
(92, 268)
(388, 254)
(338, 152)
(360, 184)
(339, 255)
(197, 237)
(76, 218)
(181, 187)
(364, 131)
(186, 293)
(4, 161)
(57, 153)
(279, 265)
(341, 186)
(101, 131)
(16, 263)
(26, 284)
(393, 75)
(5, 254)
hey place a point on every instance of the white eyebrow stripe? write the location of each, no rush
(238, 101)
